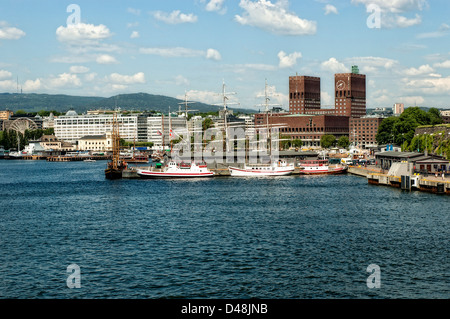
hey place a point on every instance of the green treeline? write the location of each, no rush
(11, 139)
(400, 130)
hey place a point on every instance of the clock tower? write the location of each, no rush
(350, 93)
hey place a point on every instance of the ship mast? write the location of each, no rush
(115, 142)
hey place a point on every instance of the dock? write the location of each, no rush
(62, 158)
(399, 176)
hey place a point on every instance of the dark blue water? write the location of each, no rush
(290, 237)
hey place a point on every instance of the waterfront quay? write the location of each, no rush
(398, 177)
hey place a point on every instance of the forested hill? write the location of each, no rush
(129, 102)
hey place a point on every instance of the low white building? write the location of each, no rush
(98, 143)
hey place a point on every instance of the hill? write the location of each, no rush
(129, 102)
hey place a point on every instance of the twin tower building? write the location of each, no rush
(307, 120)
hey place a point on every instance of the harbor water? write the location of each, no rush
(294, 237)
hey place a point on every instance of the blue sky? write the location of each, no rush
(104, 48)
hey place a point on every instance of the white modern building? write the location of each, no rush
(72, 127)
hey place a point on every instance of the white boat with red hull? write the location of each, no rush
(320, 167)
(174, 170)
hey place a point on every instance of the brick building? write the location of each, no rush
(308, 128)
(304, 94)
(363, 131)
(350, 94)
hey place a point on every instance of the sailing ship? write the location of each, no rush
(174, 169)
(116, 166)
(273, 168)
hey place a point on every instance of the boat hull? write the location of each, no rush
(248, 172)
(333, 171)
(113, 173)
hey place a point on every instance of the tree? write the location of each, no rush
(206, 124)
(401, 129)
(343, 142)
(297, 143)
(327, 140)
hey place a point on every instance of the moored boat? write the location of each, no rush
(279, 168)
(174, 170)
(320, 167)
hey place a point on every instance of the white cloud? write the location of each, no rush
(172, 52)
(423, 69)
(81, 33)
(64, 80)
(207, 97)
(287, 61)
(32, 86)
(10, 33)
(400, 21)
(117, 78)
(134, 11)
(274, 17)
(134, 35)
(105, 59)
(333, 65)
(5, 74)
(274, 96)
(215, 6)
(430, 85)
(79, 69)
(244, 68)
(330, 9)
(445, 65)
(443, 30)
(412, 100)
(213, 54)
(90, 77)
(181, 80)
(175, 17)
(390, 11)
(326, 99)
(396, 6)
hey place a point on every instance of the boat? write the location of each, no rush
(279, 168)
(116, 166)
(89, 160)
(174, 170)
(320, 167)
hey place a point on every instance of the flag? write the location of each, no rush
(159, 132)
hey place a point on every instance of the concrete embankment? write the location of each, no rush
(408, 182)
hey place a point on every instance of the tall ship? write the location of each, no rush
(115, 166)
(320, 167)
(273, 168)
(177, 170)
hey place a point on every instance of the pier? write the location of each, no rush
(399, 176)
(62, 158)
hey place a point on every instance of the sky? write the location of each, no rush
(193, 47)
